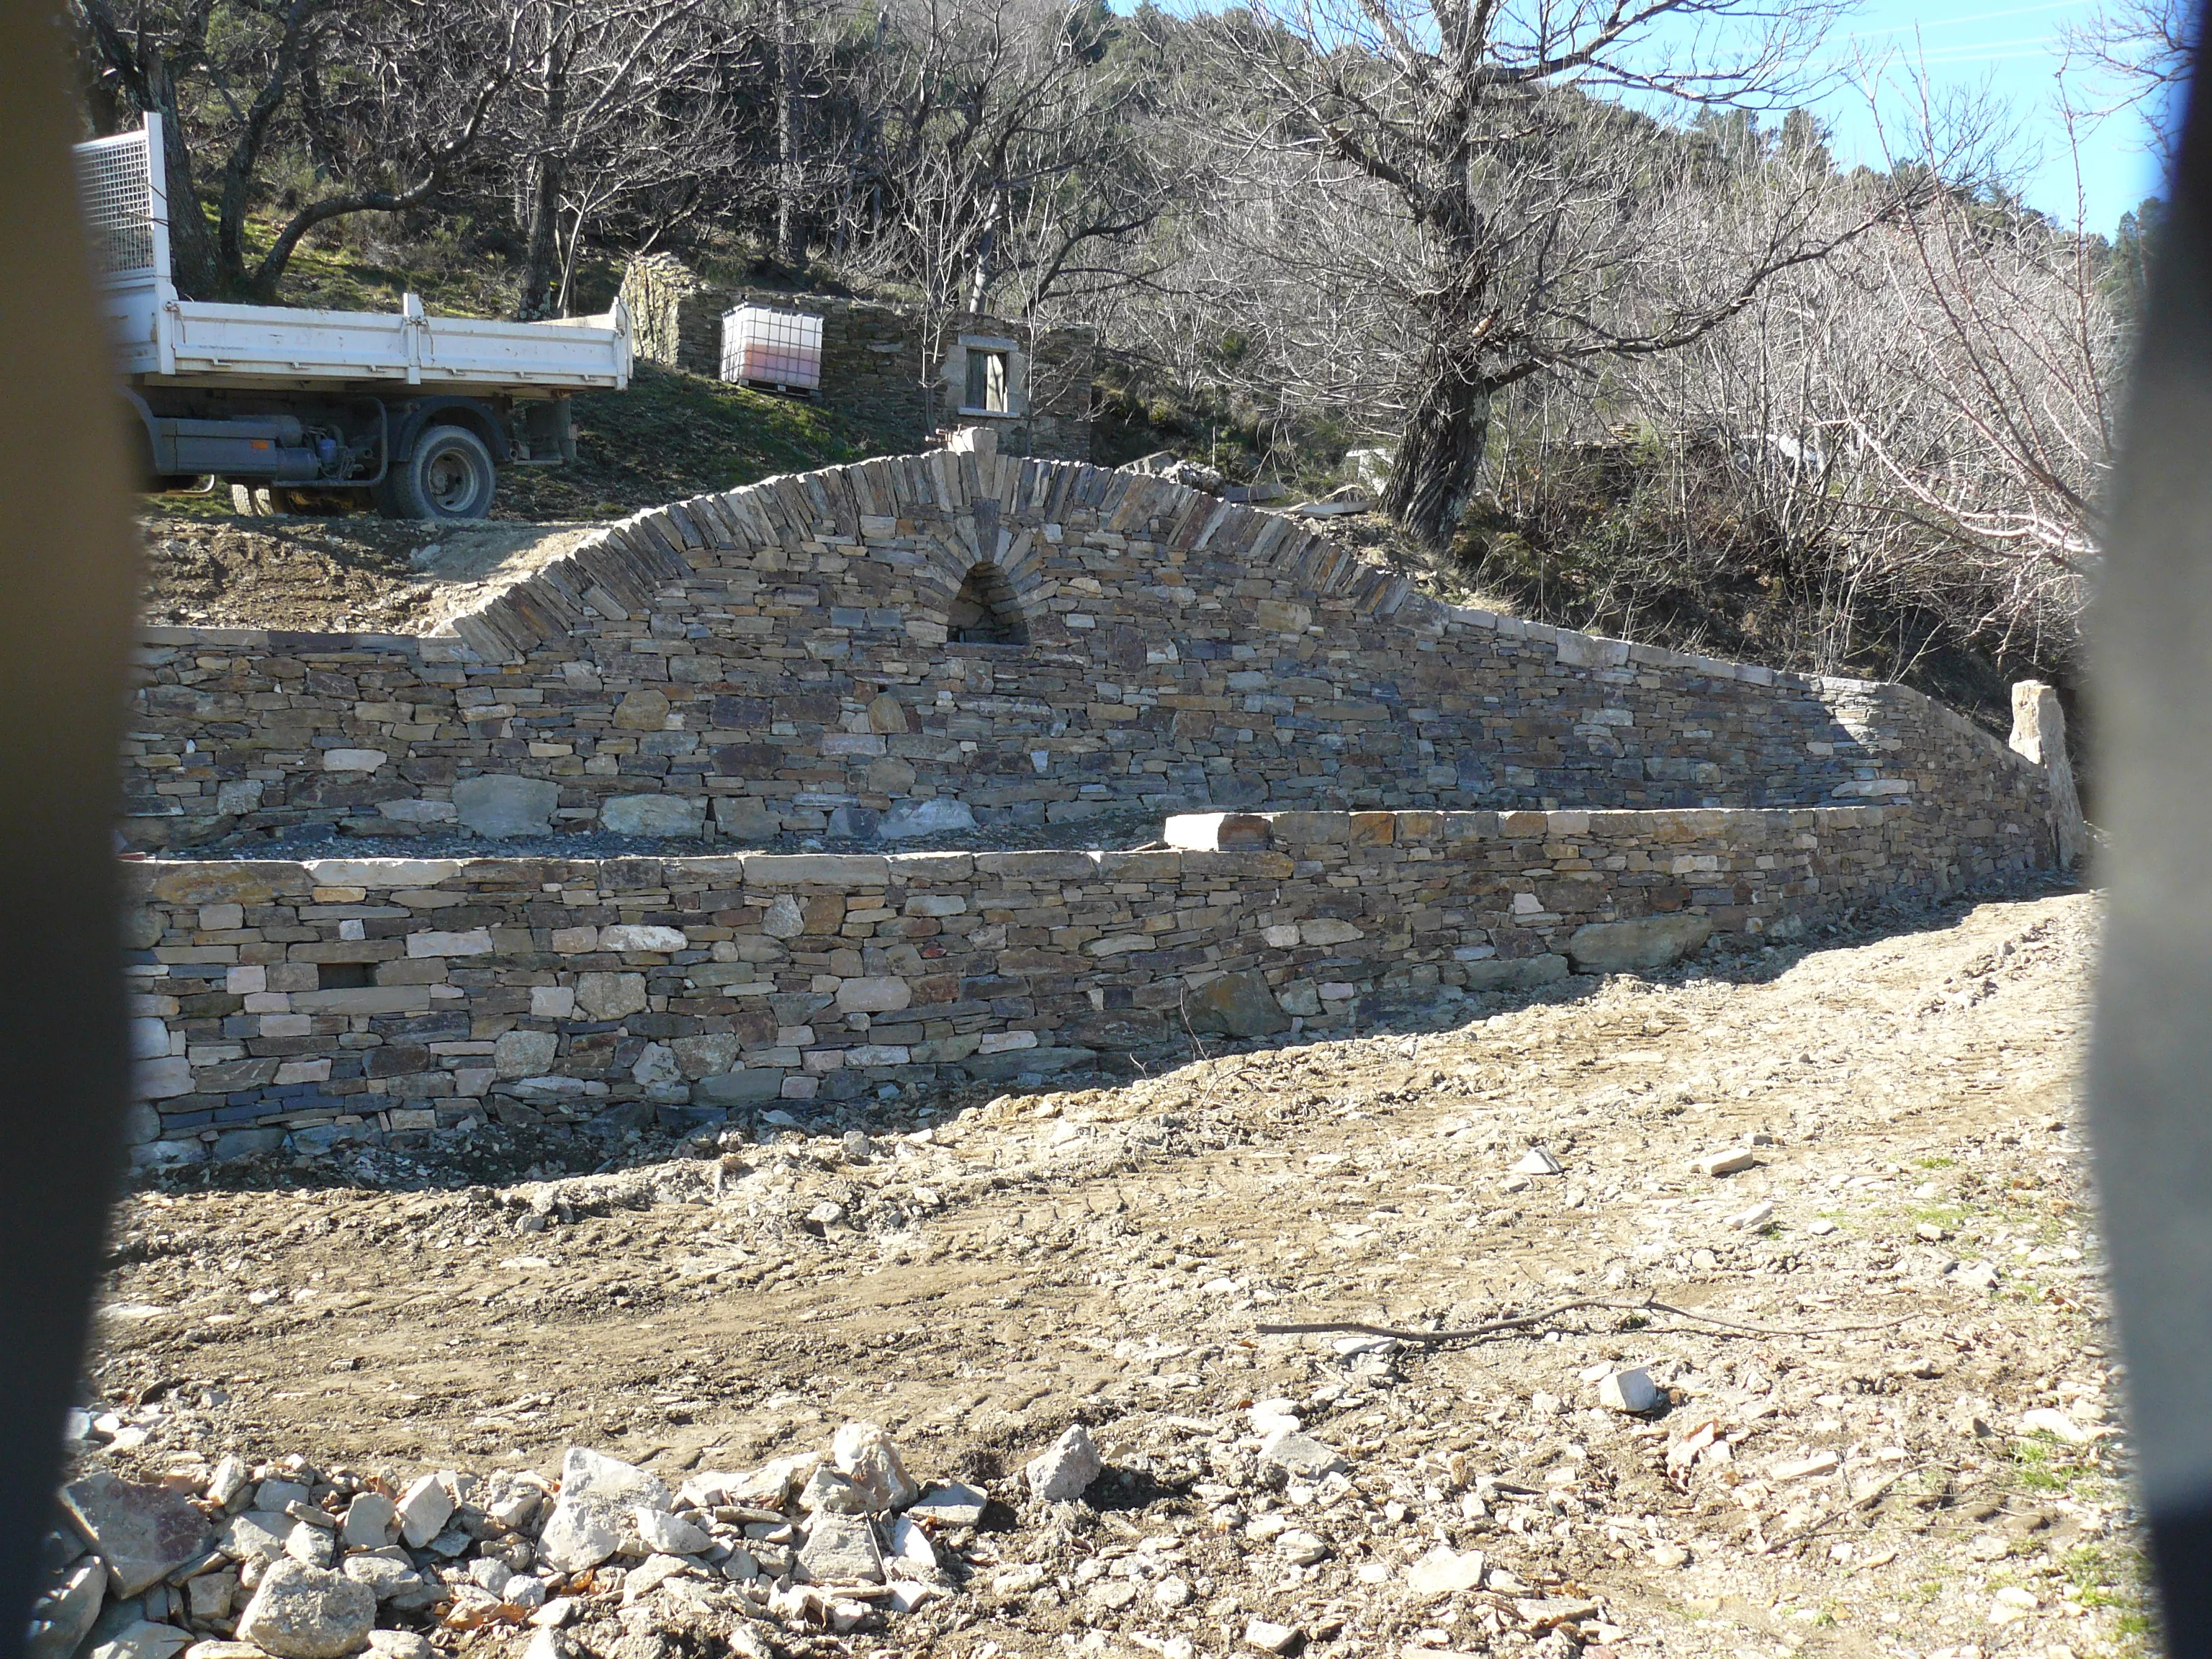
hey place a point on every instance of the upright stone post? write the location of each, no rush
(2039, 735)
(980, 441)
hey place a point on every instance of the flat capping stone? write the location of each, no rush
(1309, 828)
(380, 872)
(202, 881)
(280, 641)
(709, 867)
(816, 870)
(1042, 865)
(1218, 832)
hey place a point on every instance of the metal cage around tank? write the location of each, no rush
(765, 345)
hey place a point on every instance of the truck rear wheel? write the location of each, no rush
(447, 475)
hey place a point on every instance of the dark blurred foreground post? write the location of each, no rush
(67, 583)
(2151, 1060)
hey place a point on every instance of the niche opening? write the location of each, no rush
(983, 613)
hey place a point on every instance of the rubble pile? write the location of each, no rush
(295, 1562)
(285, 1560)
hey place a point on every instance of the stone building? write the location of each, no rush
(880, 365)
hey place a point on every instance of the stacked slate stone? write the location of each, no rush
(387, 1000)
(780, 661)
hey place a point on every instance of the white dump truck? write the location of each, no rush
(313, 411)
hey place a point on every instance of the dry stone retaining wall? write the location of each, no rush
(776, 661)
(380, 998)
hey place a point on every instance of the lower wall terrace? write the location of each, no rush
(386, 999)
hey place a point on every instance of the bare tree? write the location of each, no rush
(2004, 340)
(790, 163)
(1469, 134)
(1005, 150)
(1919, 428)
(227, 76)
(600, 108)
(2140, 51)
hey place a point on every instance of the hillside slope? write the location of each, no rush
(670, 435)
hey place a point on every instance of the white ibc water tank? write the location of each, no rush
(778, 348)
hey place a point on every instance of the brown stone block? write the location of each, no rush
(933, 989)
(226, 882)
(1310, 829)
(1029, 959)
(1374, 829)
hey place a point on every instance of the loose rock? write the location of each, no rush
(301, 1612)
(1061, 1473)
(142, 1533)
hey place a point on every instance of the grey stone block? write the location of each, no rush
(942, 816)
(745, 818)
(653, 815)
(245, 1143)
(142, 1531)
(1003, 1068)
(1235, 1005)
(1517, 972)
(501, 806)
(1619, 947)
(747, 1088)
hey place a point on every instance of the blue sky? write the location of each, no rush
(2013, 49)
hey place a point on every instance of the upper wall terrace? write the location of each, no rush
(890, 646)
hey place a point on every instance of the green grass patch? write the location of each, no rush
(2038, 1466)
(673, 435)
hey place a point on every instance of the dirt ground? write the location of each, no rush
(357, 574)
(1838, 1464)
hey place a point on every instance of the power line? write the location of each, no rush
(1974, 17)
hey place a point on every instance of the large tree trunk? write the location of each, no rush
(192, 263)
(1440, 453)
(541, 259)
(790, 232)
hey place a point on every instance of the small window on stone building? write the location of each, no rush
(983, 613)
(344, 975)
(987, 381)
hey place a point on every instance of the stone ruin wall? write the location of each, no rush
(384, 999)
(776, 660)
(873, 358)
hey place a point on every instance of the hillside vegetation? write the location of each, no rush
(1659, 366)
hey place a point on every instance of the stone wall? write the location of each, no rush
(675, 314)
(874, 365)
(346, 999)
(776, 661)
